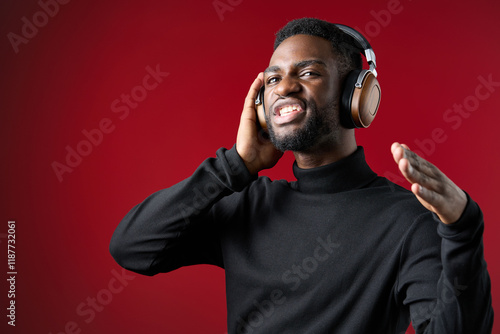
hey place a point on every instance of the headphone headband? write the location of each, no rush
(362, 43)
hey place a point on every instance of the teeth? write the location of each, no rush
(288, 109)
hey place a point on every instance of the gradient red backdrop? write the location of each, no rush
(65, 67)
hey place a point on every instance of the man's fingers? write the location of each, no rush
(397, 152)
(416, 169)
(428, 182)
(252, 92)
(429, 196)
(401, 158)
(433, 188)
(424, 176)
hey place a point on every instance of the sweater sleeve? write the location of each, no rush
(461, 302)
(174, 227)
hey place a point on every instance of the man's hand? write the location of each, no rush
(433, 189)
(255, 149)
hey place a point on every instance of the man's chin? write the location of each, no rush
(286, 131)
(298, 140)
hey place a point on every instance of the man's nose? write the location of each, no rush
(287, 85)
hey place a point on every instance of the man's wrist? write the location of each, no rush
(239, 169)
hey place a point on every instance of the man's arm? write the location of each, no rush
(463, 303)
(173, 227)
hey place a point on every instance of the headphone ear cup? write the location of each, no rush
(346, 100)
(359, 104)
(259, 107)
(365, 101)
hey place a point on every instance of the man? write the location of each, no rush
(341, 250)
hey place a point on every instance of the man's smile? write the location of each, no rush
(287, 111)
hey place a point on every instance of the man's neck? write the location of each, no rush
(324, 154)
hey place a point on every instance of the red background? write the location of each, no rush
(63, 80)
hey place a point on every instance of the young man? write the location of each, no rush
(341, 250)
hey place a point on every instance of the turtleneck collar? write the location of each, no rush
(349, 173)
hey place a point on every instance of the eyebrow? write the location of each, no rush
(300, 64)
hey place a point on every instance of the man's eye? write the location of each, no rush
(309, 74)
(272, 80)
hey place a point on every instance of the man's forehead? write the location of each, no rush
(297, 64)
(300, 48)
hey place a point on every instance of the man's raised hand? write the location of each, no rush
(432, 187)
(255, 149)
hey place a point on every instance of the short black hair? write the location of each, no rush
(343, 45)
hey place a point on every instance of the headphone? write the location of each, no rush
(361, 91)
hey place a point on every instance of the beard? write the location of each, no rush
(321, 123)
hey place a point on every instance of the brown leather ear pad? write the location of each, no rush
(260, 110)
(365, 101)
(346, 99)
(260, 115)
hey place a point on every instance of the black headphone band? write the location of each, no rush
(362, 43)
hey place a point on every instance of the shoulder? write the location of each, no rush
(404, 215)
(265, 189)
(256, 195)
(400, 206)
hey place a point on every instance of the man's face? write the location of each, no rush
(302, 94)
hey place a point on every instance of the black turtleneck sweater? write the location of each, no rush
(340, 250)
